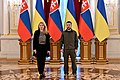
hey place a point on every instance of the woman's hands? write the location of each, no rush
(35, 51)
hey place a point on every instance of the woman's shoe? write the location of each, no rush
(43, 75)
(40, 76)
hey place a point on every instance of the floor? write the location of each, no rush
(13, 71)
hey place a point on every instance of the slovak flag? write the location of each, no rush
(54, 23)
(24, 26)
(85, 22)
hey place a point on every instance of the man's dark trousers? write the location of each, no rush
(73, 59)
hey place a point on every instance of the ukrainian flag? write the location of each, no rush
(39, 15)
(71, 16)
(101, 26)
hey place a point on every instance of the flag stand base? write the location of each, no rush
(100, 51)
(25, 52)
(54, 52)
(85, 52)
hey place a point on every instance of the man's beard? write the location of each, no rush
(69, 28)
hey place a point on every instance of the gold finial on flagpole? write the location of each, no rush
(78, 0)
(47, 0)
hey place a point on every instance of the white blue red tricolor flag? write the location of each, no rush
(24, 26)
(85, 23)
(54, 24)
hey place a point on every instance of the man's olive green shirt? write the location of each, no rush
(69, 39)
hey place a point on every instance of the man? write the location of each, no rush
(70, 41)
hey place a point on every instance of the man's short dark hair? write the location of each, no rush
(69, 22)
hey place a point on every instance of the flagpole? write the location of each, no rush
(31, 9)
(25, 37)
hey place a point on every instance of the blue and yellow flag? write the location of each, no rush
(71, 16)
(39, 15)
(101, 26)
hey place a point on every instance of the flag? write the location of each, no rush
(71, 15)
(47, 9)
(54, 23)
(24, 26)
(77, 4)
(85, 23)
(62, 9)
(101, 24)
(39, 15)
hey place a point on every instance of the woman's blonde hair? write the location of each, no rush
(45, 27)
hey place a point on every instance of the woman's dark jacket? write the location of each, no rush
(37, 46)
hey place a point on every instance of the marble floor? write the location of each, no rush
(55, 72)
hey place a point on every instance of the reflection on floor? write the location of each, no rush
(55, 72)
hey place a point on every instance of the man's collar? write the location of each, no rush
(68, 30)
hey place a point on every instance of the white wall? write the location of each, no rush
(1, 19)
(119, 15)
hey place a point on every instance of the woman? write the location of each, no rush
(41, 46)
